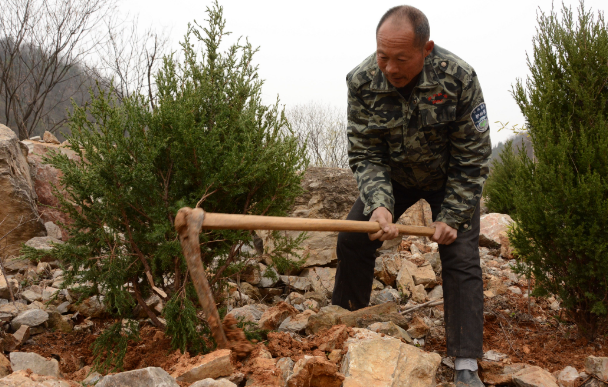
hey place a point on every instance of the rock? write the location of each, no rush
(417, 215)
(515, 290)
(24, 378)
(325, 318)
(45, 177)
(534, 376)
(405, 281)
(31, 296)
(436, 293)
(387, 268)
(567, 377)
(213, 383)
(18, 195)
(143, 377)
(13, 308)
(43, 268)
(419, 294)
(434, 259)
(92, 379)
(269, 278)
(273, 317)
(253, 273)
(285, 365)
(43, 244)
(334, 338)
(60, 323)
(250, 290)
(91, 307)
(249, 313)
(53, 231)
(386, 361)
(263, 372)
(418, 328)
(5, 366)
(22, 334)
(377, 285)
(310, 305)
(302, 284)
(49, 293)
(63, 308)
(328, 193)
(498, 373)
(50, 138)
(31, 318)
(597, 366)
(492, 225)
(315, 372)
(213, 365)
(387, 294)
(424, 275)
(296, 324)
(389, 328)
(350, 319)
(320, 297)
(35, 362)
(322, 279)
(4, 286)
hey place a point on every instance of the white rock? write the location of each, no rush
(387, 362)
(35, 362)
(249, 313)
(514, 289)
(213, 383)
(143, 377)
(567, 377)
(53, 231)
(534, 376)
(296, 324)
(436, 293)
(32, 318)
(298, 283)
(31, 295)
(213, 365)
(597, 366)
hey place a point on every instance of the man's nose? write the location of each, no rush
(391, 67)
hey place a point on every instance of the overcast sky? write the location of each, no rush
(308, 47)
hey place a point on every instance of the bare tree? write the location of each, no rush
(43, 47)
(130, 58)
(323, 129)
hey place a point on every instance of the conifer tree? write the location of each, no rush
(209, 138)
(561, 197)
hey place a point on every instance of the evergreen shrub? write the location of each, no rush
(498, 190)
(561, 196)
(209, 138)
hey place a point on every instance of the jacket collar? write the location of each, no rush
(428, 78)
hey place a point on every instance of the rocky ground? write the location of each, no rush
(46, 337)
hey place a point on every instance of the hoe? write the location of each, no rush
(189, 222)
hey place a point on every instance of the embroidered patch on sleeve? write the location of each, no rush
(479, 116)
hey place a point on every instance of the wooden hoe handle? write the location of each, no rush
(189, 223)
(254, 222)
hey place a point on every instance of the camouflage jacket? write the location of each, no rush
(438, 138)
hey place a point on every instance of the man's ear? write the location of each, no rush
(428, 47)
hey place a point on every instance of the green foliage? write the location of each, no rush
(181, 316)
(209, 138)
(111, 346)
(252, 332)
(284, 255)
(561, 195)
(498, 190)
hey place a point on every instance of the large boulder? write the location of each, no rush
(44, 177)
(329, 193)
(386, 361)
(534, 376)
(18, 195)
(213, 365)
(493, 229)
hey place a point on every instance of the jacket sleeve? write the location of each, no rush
(368, 156)
(470, 152)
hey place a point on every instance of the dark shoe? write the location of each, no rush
(466, 378)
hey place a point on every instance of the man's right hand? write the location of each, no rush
(387, 228)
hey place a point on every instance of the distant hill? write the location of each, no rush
(519, 140)
(74, 85)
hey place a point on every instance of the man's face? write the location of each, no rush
(399, 57)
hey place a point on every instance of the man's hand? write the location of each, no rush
(387, 228)
(444, 234)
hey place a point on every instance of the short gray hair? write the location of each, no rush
(417, 19)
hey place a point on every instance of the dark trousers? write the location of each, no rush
(461, 273)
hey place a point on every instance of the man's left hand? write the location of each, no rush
(444, 234)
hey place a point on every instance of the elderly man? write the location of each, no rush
(418, 129)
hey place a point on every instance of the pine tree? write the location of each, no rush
(498, 190)
(561, 197)
(209, 138)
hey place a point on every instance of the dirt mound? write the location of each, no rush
(237, 341)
